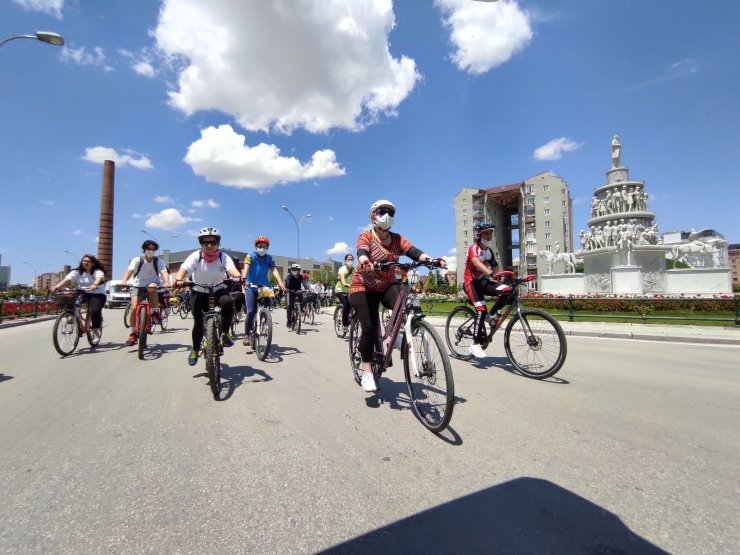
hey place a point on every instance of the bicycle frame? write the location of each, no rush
(143, 304)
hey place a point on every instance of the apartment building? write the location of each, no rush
(530, 216)
(733, 258)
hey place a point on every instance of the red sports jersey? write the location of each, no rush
(484, 254)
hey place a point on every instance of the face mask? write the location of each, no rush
(150, 253)
(261, 251)
(349, 263)
(384, 222)
(294, 272)
(485, 242)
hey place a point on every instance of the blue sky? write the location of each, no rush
(219, 112)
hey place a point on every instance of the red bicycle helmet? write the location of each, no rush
(262, 239)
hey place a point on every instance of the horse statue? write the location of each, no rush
(693, 248)
(567, 257)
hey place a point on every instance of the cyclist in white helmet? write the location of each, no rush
(208, 266)
(369, 286)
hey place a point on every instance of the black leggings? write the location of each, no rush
(344, 299)
(367, 304)
(199, 304)
(95, 303)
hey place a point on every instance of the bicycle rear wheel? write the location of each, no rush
(142, 331)
(537, 348)
(183, 309)
(459, 331)
(126, 316)
(311, 314)
(429, 377)
(355, 359)
(164, 316)
(212, 356)
(263, 333)
(66, 333)
(297, 317)
(338, 327)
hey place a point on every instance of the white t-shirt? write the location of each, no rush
(209, 273)
(84, 280)
(148, 273)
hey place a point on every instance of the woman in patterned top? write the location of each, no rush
(369, 286)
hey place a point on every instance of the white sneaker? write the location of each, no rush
(477, 351)
(368, 383)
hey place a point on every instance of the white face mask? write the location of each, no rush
(349, 263)
(150, 253)
(261, 251)
(384, 222)
(294, 272)
(485, 242)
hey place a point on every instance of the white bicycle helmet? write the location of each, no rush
(382, 203)
(295, 266)
(209, 232)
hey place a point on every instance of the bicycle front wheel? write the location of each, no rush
(459, 331)
(127, 315)
(311, 314)
(297, 316)
(183, 309)
(142, 332)
(263, 333)
(355, 359)
(212, 356)
(535, 344)
(164, 316)
(66, 333)
(429, 377)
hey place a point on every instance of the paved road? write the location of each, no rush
(632, 448)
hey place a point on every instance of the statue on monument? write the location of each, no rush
(616, 147)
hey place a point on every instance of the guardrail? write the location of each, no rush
(639, 308)
(12, 311)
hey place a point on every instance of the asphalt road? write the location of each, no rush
(631, 448)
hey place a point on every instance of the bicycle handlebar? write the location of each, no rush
(383, 266)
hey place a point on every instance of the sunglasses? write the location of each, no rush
(384, 211)
(209, 243)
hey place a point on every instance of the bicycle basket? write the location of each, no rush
(265, 293)
(65, 299)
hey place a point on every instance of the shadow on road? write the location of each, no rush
(5, 377)
(277, 352)
(505, 364)
(526, 515)
(234, 377)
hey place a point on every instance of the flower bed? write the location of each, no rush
(627, 303)
(17, 310)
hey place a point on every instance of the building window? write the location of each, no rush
(548, 247)
(529, 189)
(547, 223)
(465, 222)
(546, 188)
(563, 204)
(547, 211)
(563, 191)
(465, 232)
(547, 200)
(529, 201)
(531, 235)
(529, 212)
(548, 235)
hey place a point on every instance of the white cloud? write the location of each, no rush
(451, 262)
(210, 203)
(485, 35)
(47, 202)
(81, 57)
(144, 68)
(677, 70)
(77, 232)
(313, 64)
(141, 62)
(339, 247)
(169, 219)
(52, 7)
(555, 148)
(163, 200)
(99, 154)
(222, 156)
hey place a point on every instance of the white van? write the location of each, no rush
(114, 295)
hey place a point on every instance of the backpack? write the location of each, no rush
(141, 263)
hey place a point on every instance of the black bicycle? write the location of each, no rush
(212, 344)
(297, 311)
(260, 337)
(534, 341)
(426, 365)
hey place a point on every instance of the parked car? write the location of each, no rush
(114, 294)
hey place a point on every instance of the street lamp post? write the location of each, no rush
(77, 258)
(297, 227)
(44, 36)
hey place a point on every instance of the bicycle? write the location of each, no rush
(297, 311)
(183, 303)
(260, 336)
(309, 309)
(426, 365)
(165, 299)
(72, 322)
(212, 345)
(338, 327)
(537, 352)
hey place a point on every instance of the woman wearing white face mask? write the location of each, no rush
(144, 272)
(370, 287)
(256, 272)
(480, 264)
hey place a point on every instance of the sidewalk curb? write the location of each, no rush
(24, 321)
(701, 340)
